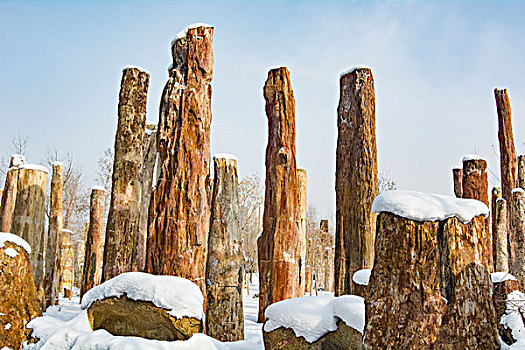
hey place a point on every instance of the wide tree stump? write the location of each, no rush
(179, 213)
(224, 266)
(355, 177)
(18, 299)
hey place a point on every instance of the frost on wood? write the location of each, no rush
(179, 212)
(421, 206)
(301, 228)
(508, 161)
(122, 231)
(356, 177)
(278, 273)
(29, 219)
(224, 266)
(430, 275)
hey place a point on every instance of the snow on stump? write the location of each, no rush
(18, 299)
(147, 306)
(512, 327)
(316, 322)
(431, 273)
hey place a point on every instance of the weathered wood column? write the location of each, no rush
(65, 266)
(179, 214)
(94, 250)
(149, 154)
(54, 231)
(7, 205)
(355, 177)
(457, 178)
(475, 186)
(518, 226)
(29, 217)
(122, 231)
(500, 236)
(508, 161)
(224, 266)
(495, 195)
(278, 274)
(521, 171)
(308, 280)
(301, 229)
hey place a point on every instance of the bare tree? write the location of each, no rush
(385, 181)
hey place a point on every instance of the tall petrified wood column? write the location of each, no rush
(29, 217)
(9, 193)
(278, 274)
(475, 186)
(179, 214)
(122, 230)
(149, 154)
(94, 250)
(518, 226)
(521, 171)
(65, 266)
(224, 266)
(457, 178)
(508, 161)
(301, 229)
(54, 231)
(355, 177)
(495, 195)
(430, 287)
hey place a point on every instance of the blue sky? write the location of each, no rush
(435, 66)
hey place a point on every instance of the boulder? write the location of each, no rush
(18, 299)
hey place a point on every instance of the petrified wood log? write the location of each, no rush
(18, 299)
(356, 177)
(179, 213)
(495, 195)
(278, 273)
(94, 249)
(508, 161)
(65, 265)
(54, 231)
(149, 155)
(122, 230)
(521, 171)
(29, 218)
(500, 236)
(7, 204)
(457, 178)
(224, 266)
(518, 226)
(301, 229)
(308, 281)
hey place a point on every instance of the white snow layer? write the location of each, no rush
(498, 277)
(57, 163)
(33, 167)
(19, 241)
(18, 159)
(362, 276)
(175, 294)
(10, 252)
(225, 156)
(312, 317)
(96, 187)
(513, 320)
(136, 67)
(351, 69)
(420, 206)
(182, 34)
(67, 230)
(472, 157)
(518, 189)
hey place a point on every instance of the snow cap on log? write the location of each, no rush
(182, 34)
(33, 167)
(176, 294)
(19, 241)
(16, 160)
(420, 206)
(224, 156)
(351, 69)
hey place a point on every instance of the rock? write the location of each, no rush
(344, 338)
(278, 270)
(126, 317)
(355, 177)
(179, 212)
(18, 298)
(122, 229)
(224, 266)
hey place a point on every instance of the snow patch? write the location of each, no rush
(96, 187)
(7, 326)
(10, 252)
(17, 159)
(513, 320)
(351, 69)
(183, 33)
(301, 168)
(498, 277)
(420, 206)
(518, 190)
(362, 276)
(19, 241)
(175, 294)
(468, 157)
(67, 230)
(136, 67)
(57, 163)
(311, 317)
(225, 156)
(33, 167)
